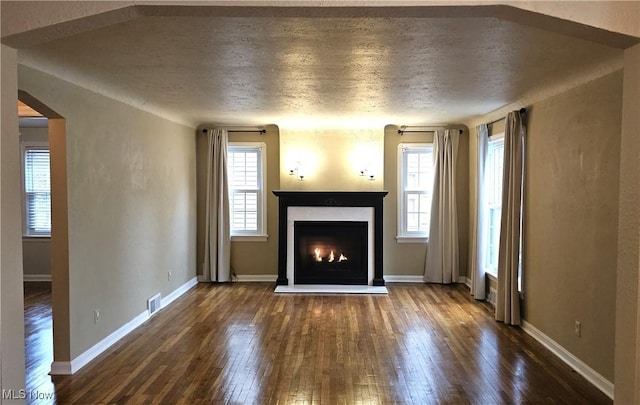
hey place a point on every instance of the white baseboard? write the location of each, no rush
(178, 292)
(419, 279)
(66, 368)
(464, 280)
(60, 368)
(271, 278)
(403, 279)
(258, 278)
(36, 277)
(572, 361)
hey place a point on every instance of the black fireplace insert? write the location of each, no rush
(330, 252)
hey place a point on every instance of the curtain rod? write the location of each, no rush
(404, 131)
(260, 131)
(498, 120)
(522, 111)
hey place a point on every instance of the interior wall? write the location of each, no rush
(407, 259)
(36, 258)
(59, 238)
(247, 258)
(570, 217)
(332, 159)
(627, 383)
(11, 297)
(131, 206)
(36, 251)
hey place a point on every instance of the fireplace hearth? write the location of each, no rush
(330, 241)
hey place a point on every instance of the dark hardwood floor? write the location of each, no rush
(38, 334)
(243, 344)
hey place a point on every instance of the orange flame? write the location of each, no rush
(317, 256)
(342, 258)
(331, 257)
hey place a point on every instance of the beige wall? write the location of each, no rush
(407, 259)
(332, 158)
(34, 134)
(60, 296)
(570, 218)
(247, 258)
(11, 300)
(131, 206)
(627, 316)
(36, 257)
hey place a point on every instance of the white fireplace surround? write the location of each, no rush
(359, 214)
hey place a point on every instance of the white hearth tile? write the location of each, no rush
(331, 289)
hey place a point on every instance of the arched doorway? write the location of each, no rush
(59, 257)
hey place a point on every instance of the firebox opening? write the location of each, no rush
(330, 252)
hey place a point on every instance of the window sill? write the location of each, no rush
(412, 239)
(35, 237)
(491, 276)
(249, 238)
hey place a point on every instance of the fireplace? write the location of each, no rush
(349, 223)
(330, 252)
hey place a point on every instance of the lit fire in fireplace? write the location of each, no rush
(317, 256)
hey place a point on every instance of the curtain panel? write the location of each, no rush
(478, 244)
(508, 298)
(217, 243)
(441, 264)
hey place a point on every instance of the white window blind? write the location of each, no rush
(37, 190)
(492, 188)
(416, 184)
(245, 163)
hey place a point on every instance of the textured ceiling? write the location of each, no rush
(259, 70)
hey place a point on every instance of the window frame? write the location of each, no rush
(260, 235)
(24, 148)
(404, 236)
(492, 271)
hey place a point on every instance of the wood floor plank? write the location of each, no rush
(244, 344)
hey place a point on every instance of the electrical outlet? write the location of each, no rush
(96, 315)
(169, 275)
(578, 328)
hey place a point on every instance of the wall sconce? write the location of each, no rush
(297, 171)
(367, 174)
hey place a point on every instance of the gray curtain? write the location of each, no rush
(217, 241)
(478, 243)
(508, 298)
(441, 264)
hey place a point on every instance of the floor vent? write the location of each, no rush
(154, 303)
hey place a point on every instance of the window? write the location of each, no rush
(492, 189)
(415, 184)
(37, 190)
(247, 167)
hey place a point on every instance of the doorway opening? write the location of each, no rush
(45, 240)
